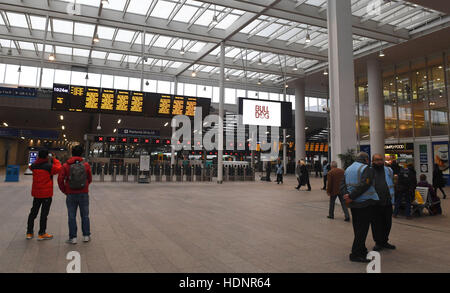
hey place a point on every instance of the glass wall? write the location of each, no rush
(416, 99)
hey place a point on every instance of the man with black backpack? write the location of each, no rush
(74, 180)
(406, 186)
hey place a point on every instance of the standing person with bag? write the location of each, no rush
(42, 191)
(438, 180)
(74, 180)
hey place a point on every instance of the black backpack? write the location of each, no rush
(403, 178)
(77, 176)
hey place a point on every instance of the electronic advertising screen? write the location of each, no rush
(265, 113)
(261, 113)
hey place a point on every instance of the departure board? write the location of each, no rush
(112, 101)
(92, 99)
(137, 103)
(107, 99)
(122, 101)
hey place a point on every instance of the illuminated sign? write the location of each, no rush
(122, 101)
(165, 104)
(107, 100)
(137, 102)
(92, 99)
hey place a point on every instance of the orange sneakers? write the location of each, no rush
(45, 236)
(29, 236)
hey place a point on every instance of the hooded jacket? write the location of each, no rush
(43, 171)
(63, 178)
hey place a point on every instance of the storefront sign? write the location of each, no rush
(18, 92)
(138, 132)
(423, 153)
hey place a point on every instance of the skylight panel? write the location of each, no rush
(227, 21)
(162, 41)
(63, 50)
(83, 29)
(114, 57)
(105, 33)
(98, 54)
(185, 13)
(38, 22)
(139, 7)
(81, 52)
(115, 4)
(26, 46)
(124, 36)
(163, 9)
(197, 47)
(16, 19)
(62, 26)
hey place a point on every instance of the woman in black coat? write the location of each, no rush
(438, 180)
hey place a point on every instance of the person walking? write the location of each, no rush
(384, 186)
(42, 192)
(303, 175)
(326, 169)
(438, 180)
(395, 167)
(360, 195)
(318, 168)
(73, 181)
(279, 170)
(406, 186)
(335, 177)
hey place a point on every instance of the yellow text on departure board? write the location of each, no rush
(178, 106)
(59, 100)
(92, 96)
(107, 100)
(137, 102)
(77, 91)
(122, 101)
(190, 107)
(164, 105)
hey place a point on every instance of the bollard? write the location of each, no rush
(193, 173)
(202, 170)
(245, 173)
(227, 174)
(125, 176)
(114, 174)
(102, 174)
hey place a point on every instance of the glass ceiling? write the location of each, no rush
(266, 49)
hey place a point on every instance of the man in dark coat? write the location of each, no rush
(302, 175)
(438, 180)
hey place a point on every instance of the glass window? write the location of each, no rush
(230, 96)
(404, 98)
(240, 94)
(180, 89)
(274, 97)
(190, 89)
(363, 108)
(135, 84)
(62, 76)
(2, 72)
(78, 78)
(172, 88)
(94, 80)
(163, 87)
(48, 75)
(438, 100)
(151, 87)
(12, 74)
(322, 104)
(263, 95)
(313, 105)
(28, 76)
(253, 95)
(204, 91)
(216, 93)
(107, 81)
(390, 107)
(121, 82)
(420, 102)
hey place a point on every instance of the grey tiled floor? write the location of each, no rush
(205, 227)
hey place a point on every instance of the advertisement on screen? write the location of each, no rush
(440, 158)
(262, 113)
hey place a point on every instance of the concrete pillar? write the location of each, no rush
(341, 77)
(221, 113)
(300, 122)
(284, 141)
(376, 107)
(172, 154)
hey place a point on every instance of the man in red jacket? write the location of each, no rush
(42, 191)
(73, 181)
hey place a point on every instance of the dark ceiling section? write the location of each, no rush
(439, 5)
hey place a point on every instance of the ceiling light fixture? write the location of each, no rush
(52, 57)
(61, 117)
(20, 69)
(381, 54)
(194, 73)
(96, 38)
(5, 124)
(119, 121)
(214, 19)
(308, 37)
(325, 71)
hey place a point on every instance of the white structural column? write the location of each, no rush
(376, 107)
(221, 112)
(172, 155)
(300, 122)
(341, 78)
(284, 140)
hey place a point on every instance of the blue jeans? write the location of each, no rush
(73, 201)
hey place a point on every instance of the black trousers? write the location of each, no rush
(442, 190)
(279, 178)
(362, 218)
(307, 184)
(37, 203)
(382, 223)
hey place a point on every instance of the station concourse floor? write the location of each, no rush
(236, 227)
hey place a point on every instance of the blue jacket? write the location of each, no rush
(353, 178)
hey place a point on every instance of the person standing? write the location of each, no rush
(395, 167)
(42, 192)
(303, 175)
(360, 195)
(335, 177)
(318, 168)
(73, 181)
(384, 186)
(438, 180)
(406, 186)
(326, 169)
(279, 170)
